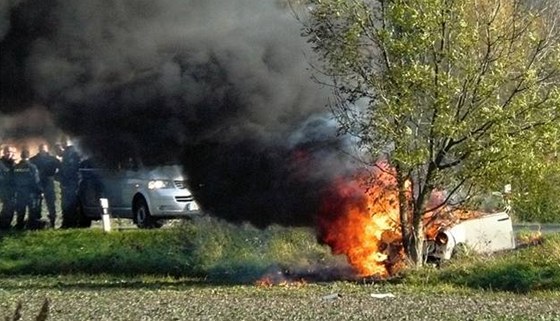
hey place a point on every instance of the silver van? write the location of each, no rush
(147, 195)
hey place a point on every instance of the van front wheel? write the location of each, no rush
(142, 216)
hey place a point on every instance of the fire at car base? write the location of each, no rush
(365, 226)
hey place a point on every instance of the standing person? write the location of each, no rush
(28, 193)
(58, 150)
(48, 166)
(68, 177)
(7, 163)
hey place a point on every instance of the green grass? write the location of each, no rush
(523, 270)
(92, 251)
(206, 270)
(216, 252)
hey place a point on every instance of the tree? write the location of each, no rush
(454, 95)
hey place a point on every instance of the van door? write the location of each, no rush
(90, 190)
(131, 182)
(113, 191)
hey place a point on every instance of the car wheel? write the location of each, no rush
(142, 216)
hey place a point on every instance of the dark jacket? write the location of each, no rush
(6, 176)
(68, 173)
(26, 178)
(47, 165)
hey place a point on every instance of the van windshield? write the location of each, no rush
(125, 164)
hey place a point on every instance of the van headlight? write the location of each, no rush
(192, 206)
(159, 184)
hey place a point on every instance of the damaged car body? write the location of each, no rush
(147, 195)
(486, 234)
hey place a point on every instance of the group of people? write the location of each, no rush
(24, 185)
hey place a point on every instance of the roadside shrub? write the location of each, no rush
(535, 196)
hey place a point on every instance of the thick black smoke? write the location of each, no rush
(220, 85)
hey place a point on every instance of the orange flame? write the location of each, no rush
(364, 224)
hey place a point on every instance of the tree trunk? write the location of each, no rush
(412, 227)
(407, 231)
(416, 246)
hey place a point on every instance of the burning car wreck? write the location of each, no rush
(485, 234)
(364, 225)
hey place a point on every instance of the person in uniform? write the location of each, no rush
(48, 166)
(7, 163)
(58, 150)
(28, 193)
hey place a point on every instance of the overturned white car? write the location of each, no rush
(485, 234)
